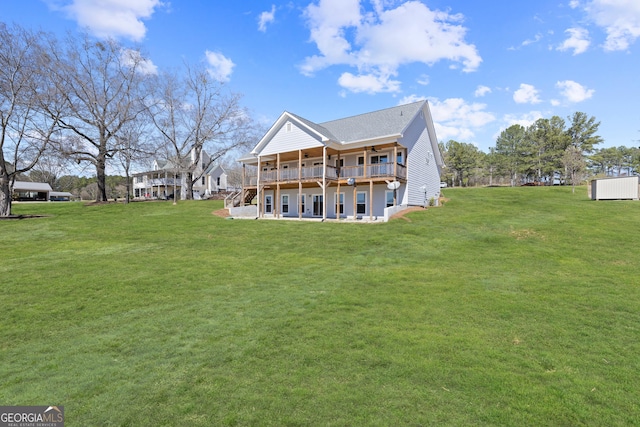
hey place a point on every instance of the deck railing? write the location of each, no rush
(378, 170)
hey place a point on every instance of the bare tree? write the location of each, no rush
(135, 148)
(234, 174)
(100, 81)
(24, 131)
(195, 113)
(574, 164)
(50, 167)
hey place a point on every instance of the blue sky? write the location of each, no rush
(483, 65)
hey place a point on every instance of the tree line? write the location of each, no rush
(549, 151)
(86, 101)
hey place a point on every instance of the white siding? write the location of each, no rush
(422, 169)
(615, 188)
(295, 139)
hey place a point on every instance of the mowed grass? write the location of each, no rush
(507, 306)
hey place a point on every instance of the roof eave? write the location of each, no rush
(386, 139)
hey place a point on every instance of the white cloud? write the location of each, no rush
(113, 18)
(423, 80)
(369, 83)
(524, 120)
(266, 18)
(536, 39)
(409, 99)
(574, 4)
(379, 41)
(454, 118)
(527, 94)
(481, 91)
(527, 42)
(220, 67)
(620, 20)
(132, 57)
(574, 92)
(578, 41)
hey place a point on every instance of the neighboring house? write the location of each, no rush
(216, 179)
(24, 191)
(168, 177)
(367, 166)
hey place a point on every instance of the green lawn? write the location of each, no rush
(507, 306)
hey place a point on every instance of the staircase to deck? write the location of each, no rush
(235, 199)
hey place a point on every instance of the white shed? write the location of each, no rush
(616, 188)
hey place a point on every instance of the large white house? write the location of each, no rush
(367, 166)
(168, 178)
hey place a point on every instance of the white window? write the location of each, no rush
(285, 203)
(379, 159)
(302, 202)
(288, 126)
(361, 203)
(340, 203)
(389, 198)
(268, 203)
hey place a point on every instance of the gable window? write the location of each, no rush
(361, 203)
(285, 203)
(218, 182)
(288, 126)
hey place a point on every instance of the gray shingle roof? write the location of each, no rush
(390, 121)
(318, 128)
(31, 186)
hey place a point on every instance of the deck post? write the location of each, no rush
(276, 202)
(370, 200)
(395, 173)
(324, 183)
(300, 184)
(259, 202)
(244, 192)
(338, 201)
(355, 193)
